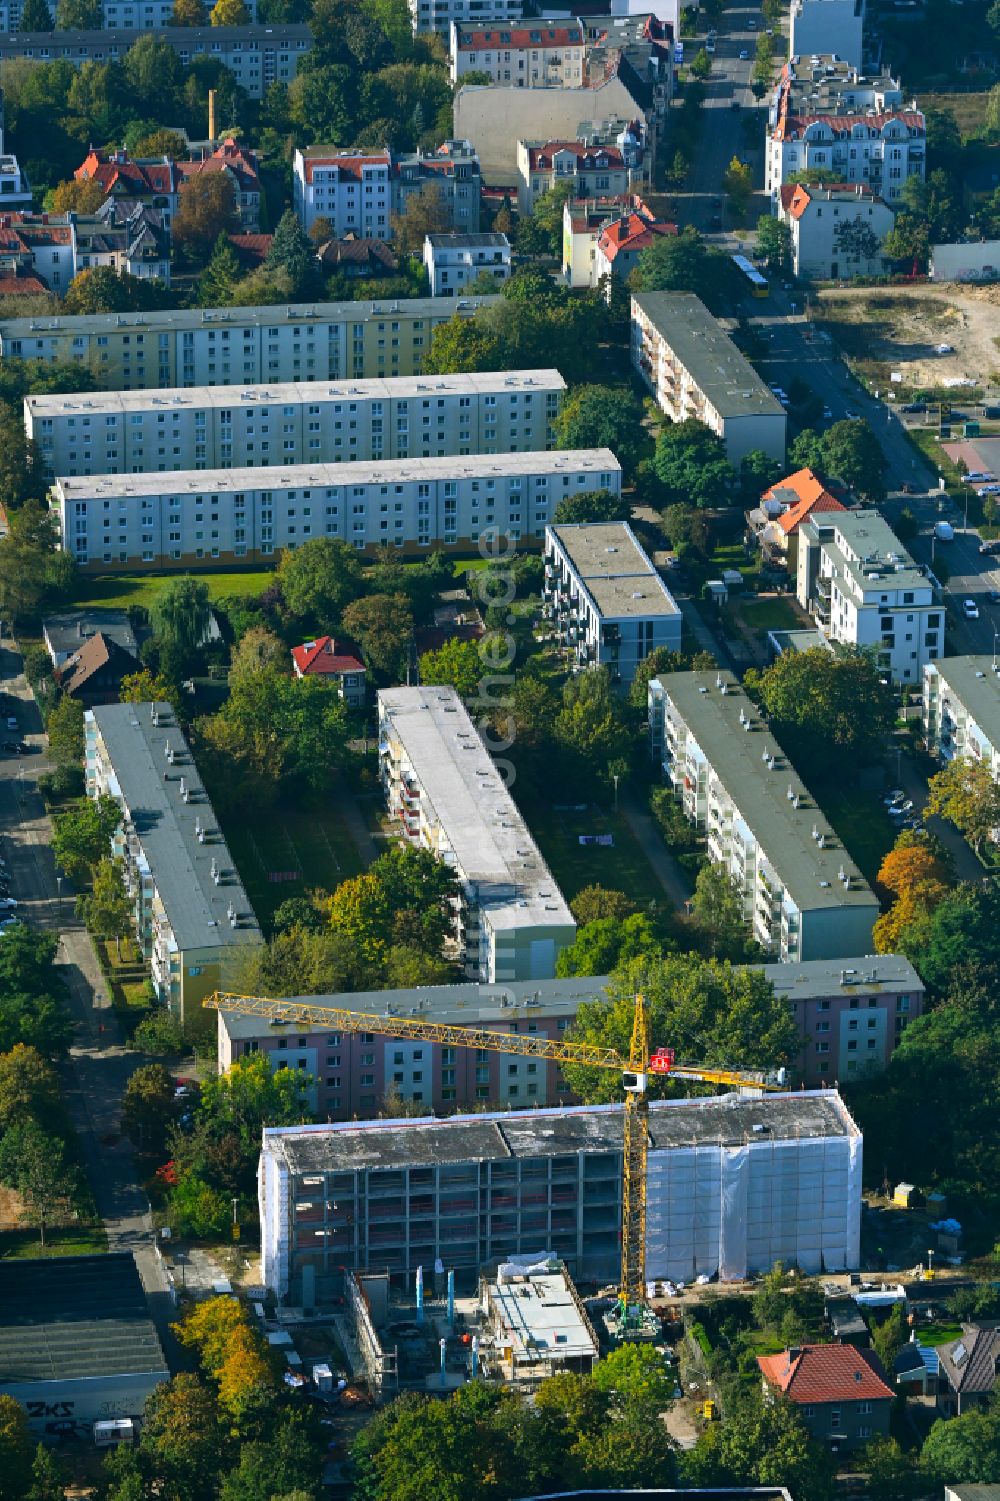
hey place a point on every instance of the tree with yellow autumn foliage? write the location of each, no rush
(208, 1328)
(917, 873)
(246, 1380)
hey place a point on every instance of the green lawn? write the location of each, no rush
(774, 614)
(308, 841)
(119, 590)
(858, 818)
(621, 867)
(74, 1240)
(938, 1334)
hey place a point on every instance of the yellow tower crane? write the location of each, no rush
(635, 1071)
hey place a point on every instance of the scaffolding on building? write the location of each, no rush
(381, 1366)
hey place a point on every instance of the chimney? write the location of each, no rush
(211, 115)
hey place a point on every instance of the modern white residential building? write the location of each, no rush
(733, 1186)
(863, 589)
(441, 15)
(248, 427)
(542, 55)
(257, 56)
(695, 370)
(454, 262)
(593, 171)
(199, 518)
(837, 231)
(803, 896)
(360, 192)
(192, 915)
(450, 798)
(827, 116)
(817, 27)
(608, 601)
(961, 710)
(240, 346)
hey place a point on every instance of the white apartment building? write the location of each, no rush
(450, 798)
(544, 55)
(248, 427)
(837, 232)
(863, 589)
(257, 56)
(695, 370)
(594, 171)
(824, 26)
(192, 915)
(359, 192)
(827, 116)
(454, 262)
(803, 896)
(199, 519)
(608, 601)
(240, 346)
(961, 710)
(441, 15)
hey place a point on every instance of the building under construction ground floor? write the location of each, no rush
(734, 1184)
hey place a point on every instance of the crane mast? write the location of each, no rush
(635, 1071)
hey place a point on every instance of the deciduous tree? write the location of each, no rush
(592, 506)
(602, 945)
(107, 908)
(456, 663)
(148, 1107)
(426, 212)
(691, 464)
(826, 707)
(318, 580)
(79, 15)
(594, 902)
(82, 834)
(382, 625)
(16, 1449)
(206, 210)
(82, 195)
(35, 16)
(189, 13)
(966, 795)
(230, 13)
(33, 1161)
(28, 1086)
(604, 417)
(774, 243)
(181, 614)
(182, 1438)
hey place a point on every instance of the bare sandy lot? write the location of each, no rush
(898, 328)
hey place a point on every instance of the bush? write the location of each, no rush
(160, 1034)
(63, 783)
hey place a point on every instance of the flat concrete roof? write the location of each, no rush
(468, 1004)
(878, 550)
(293, 393)
(721, 1120)
(868, 975)
(976, 685)
(804, 640)
(69, 1318)
(181, 319)
(727, 380)
(541, 1317)
(613, 570)
(484, 827)
(167, 826)
(332, 476)
(717, 721)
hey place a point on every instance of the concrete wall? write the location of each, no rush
(495, 119)
(979, 261)
(72, 1407)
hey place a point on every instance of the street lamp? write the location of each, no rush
(996, 636)
(930, 1263)
(59, 881)
(614, 778)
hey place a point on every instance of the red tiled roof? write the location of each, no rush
(791, 126)
(251, 248)
(322, 656)
(810, 495)
(20, 286)
(586, 156)
(139, 177)
(347, 164)
(522, 37)
(632, 232)
(826, 1373)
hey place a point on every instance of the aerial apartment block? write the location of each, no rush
(195, 518)
(694, 369)
(608, 601)
(257, 56)
(803, 896)
(542, 55)
(354, 1071)
(240, 346)
(961, 710)
(450, 798)
(818, 27)
(733, 1185)
(193, 918)
(454, 262)
(863, 589)
(440, 15)
(360, 192)
(247, 427)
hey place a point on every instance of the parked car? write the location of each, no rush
(944, 531)
(945, 349)
(970, 609)
(914, 407)
(744, 55)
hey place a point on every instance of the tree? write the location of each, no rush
(590, 729)
(33, 1161)
(680, 263)
(251, 1095)
(827, 710)
(30, 1012)
(15, 1449)
(321, 101)
(161, 142)
(79, 15)
(287, 1467)
(48, 1478)
(189, 13)
(82, 195)
(182, 1438)
(704, 1008)
(198, 1209)
(717, 909)
(159, 1033)
(542, 233)
(758, 472)
(774, 244)
(148, 1107)
(691, 464)
(635, 1377)
(207, 1328)
(963, 1450)
(382, 625)
(687, 527)
(35, 16)
(701, 64)
(456, 663)
(230, 13)
(293, 253)
(154, 73)
(28, 1086)
(594, 902)
(206, 211)
(889, 1337)
(425, 212)
(591, 506)
(602, 945)
(65, 732)
(462, 345)
(966, 795)
(852, 452)
(101, 289)
(762, 1442)
(21, 468)
(146, 687)
(82, 834)
(318, 580)
(107, 909)
(180, 615)
(404, 900)
(892, 1472)
(220, 277)
(737, 184)
(604, 417)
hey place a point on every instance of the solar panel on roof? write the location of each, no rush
(959, 1354)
